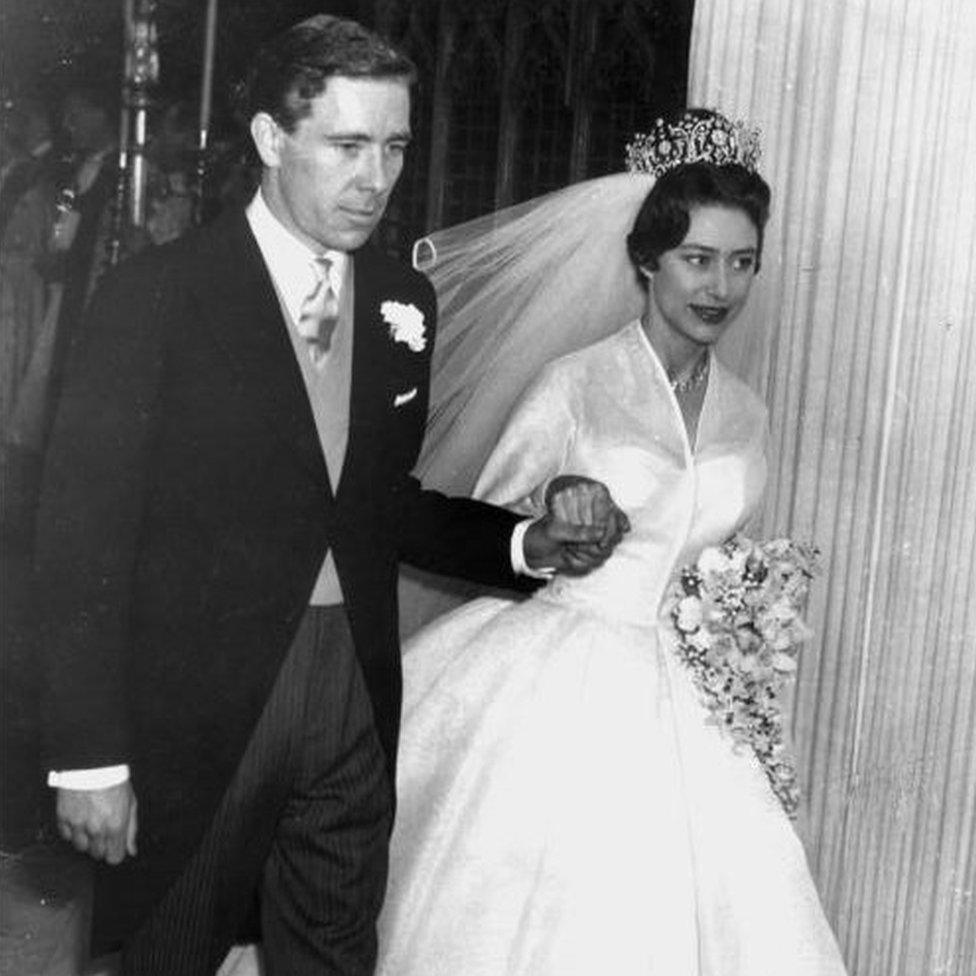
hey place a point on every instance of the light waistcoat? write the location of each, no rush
(328, 390)
(289, 262)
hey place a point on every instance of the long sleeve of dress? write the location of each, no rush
(533, 447)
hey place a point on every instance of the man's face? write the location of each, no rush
(329, 181)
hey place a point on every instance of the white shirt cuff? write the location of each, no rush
(519, 565)
(99, 778)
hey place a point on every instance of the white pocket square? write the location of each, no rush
(401, 398)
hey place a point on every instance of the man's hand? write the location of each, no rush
(580, 530)
(101, 823)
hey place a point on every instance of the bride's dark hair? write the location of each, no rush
(665, 215)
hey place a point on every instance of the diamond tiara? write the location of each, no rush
(694, 138)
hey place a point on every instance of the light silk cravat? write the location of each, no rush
(319, 313)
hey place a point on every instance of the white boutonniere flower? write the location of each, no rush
(406, 324)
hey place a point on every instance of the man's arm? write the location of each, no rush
(453, 536)
(89, 518)
(474, 540)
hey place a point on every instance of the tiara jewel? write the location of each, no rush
(694, 138)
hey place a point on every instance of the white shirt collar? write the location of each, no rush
(290, 262)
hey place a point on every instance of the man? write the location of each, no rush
(89, 121)
(26, 203)
(25, 153)
(76, 255)
(227, 498)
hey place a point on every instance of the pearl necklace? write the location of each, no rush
(693, 378)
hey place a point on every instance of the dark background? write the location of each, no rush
(524, 95)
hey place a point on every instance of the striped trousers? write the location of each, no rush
(304, 824)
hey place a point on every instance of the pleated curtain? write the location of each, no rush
(860, 333)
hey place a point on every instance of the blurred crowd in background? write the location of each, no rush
(61, 227)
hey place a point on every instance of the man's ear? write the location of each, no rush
(267, 136)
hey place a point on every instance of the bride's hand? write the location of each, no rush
(583, 501)
(581, 529)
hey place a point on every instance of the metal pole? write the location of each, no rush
(206, 99)
(121, 189)
(142, 73)
(122, 182)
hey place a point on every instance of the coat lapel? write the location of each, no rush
(242, 309)
(369, 365)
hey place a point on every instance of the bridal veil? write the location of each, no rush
(516, 289)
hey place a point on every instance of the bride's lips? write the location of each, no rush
(710, 314)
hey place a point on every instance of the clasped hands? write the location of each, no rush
(580, 529)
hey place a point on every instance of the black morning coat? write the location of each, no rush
(186, 514)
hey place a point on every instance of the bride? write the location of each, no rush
(564, 805)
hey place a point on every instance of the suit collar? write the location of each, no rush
(242, 309)
(369, 363)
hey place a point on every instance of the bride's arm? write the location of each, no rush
(533, 448)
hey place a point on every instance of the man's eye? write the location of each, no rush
(698, 260)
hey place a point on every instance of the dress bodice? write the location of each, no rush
(608, 412)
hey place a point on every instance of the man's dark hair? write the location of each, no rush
(665, 216)
(294, 67)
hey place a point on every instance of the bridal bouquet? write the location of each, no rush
(737, 613)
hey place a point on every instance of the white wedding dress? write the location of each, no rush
(564, 807)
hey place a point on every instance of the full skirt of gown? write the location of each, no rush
(566, 808)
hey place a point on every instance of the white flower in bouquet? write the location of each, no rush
(713, 560)
(701, 639)
(738, 559)
(782, 611)
(689, 614)
(784, 663)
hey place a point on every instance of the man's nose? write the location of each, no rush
(378, 171)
